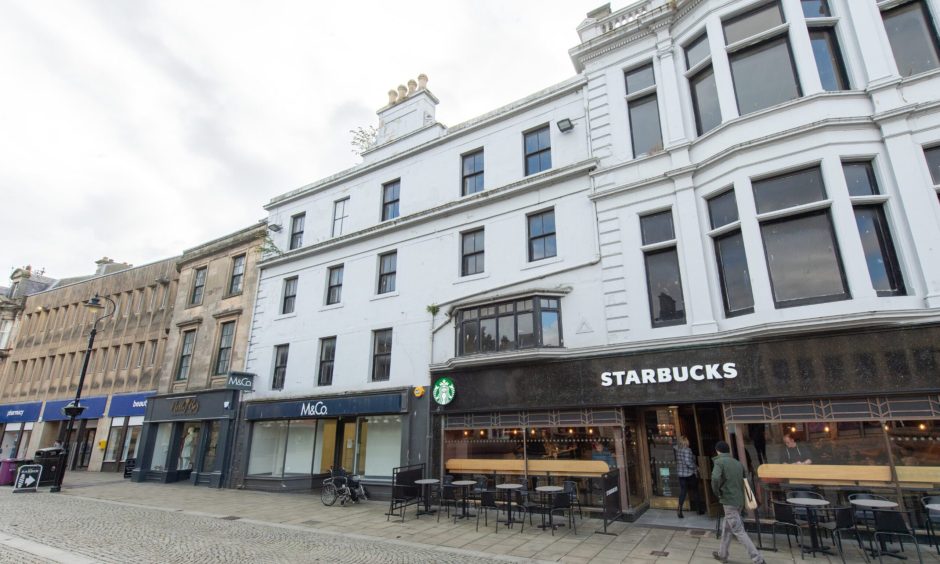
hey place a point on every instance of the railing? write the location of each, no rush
(625, 16)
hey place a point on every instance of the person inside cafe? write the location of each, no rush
(794, 453)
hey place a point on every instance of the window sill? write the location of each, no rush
(232, 295)
(281, 316)
(384, 296)
(542, 262)
(331, 306)
(472, 278)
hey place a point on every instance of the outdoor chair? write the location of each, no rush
(932, 520)
(801, 512)
(866, 516)
(447, 498)
(524, 504)
(843, 521)
(561, 503)
(478, 489)
(487, 503)
(784, 517)
(571, 488)
(891, 524)
(448, 478)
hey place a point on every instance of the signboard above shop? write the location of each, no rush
(326, 407)
(94, 408)
(20, 412)
(244, 381)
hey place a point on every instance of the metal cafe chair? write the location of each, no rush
(866, 517)
(571, 488)
(561, 503)
(487, 503)
(843, 521)
(784, 517)
(932, 519)
(447, 498)
(524, 504)
(891, 524)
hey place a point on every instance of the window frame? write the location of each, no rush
(224, 349)
(539, 151)
(461, 318)
(330, 286)
(185, 358)
(375, 354)
(390, 206)
(297, 226)
(465, 176)
(659, 247)
(340, 218)
(639, 97)
(237, 274)
(387, 275)
(289, 295)
(481, 253)
(934, 39)
(324, 361)
(544, 236)
(198, 291)
(718, 234)
(279, 370)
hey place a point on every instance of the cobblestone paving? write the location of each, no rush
(13, 556)
(120, 533)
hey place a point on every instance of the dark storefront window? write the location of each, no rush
(507, 326)
(915, 443)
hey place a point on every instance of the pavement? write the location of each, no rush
(103, 518)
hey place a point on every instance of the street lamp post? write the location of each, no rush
(73, 410)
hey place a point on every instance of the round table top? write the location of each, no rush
(807, 501)
(464, 483)
(427, 481)
(508, 486)
(933, 506)
(549, 489)
(879, 503)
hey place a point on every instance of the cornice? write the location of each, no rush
(542, 180)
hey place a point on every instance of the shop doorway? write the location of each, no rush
(702, 425)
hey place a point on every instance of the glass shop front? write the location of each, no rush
(16, 429)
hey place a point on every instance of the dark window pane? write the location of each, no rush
(542, 235)
(537, 151)
(657, 227)
(663, 281)
(879, 251)
(640, 78)
(382, 355)
(912, 37)
(507, 333)
(382, 368)
(828, 59)
(471, 336)
(488, 335)
(792, 189)
(697, 51)
(297, 231)
(803, 260)
(763, 76)
(644, 126)
(816, 8)
(551, 332)
(705, 100)
(723, 209)
(752, 23)
(525, 330)
(473, 173)
(860, 179)
(933, 163)
(733, 271)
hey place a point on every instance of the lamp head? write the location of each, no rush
(94, 303)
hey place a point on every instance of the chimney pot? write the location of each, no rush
(392, 97)
(412, 86)
(422, 81)
(402, 92)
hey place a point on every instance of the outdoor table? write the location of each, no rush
(876, 504)
(548, 492)
(933, 506)
(464, 485)
(425, 484)
(811, 504)
(509, 488)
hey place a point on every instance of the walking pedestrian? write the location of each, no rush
(687, 470)
(728, 485)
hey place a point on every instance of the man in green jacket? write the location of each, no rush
(728, 485)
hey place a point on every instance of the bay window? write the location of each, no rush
(506, 326)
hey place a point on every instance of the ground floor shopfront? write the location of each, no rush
(850, 399)
(17, 421)
(188, 436)
(290, 445)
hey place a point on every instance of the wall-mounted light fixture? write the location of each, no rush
(274, 227)
(564, 125)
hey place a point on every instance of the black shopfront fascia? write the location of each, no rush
(177, 409)
(850, 363)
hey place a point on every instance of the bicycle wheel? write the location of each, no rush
(328, 494)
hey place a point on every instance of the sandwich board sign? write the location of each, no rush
(27, 478)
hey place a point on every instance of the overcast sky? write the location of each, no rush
(136, 130)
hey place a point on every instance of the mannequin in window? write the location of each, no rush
(187, 452)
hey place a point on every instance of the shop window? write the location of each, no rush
(542, 242)
(132, 437)
(472, 173)
(763, 72)
(702, 84)
(537, 145)
(663, 279)
(733, 271)
(880, 256)
(913, 37)
(379, 441)
(186, 355)
(381, 355)
(836, 442)
(297, 231)
(334, 290)
(161, 447)
(327, 356)
(643, 110)
(798, 277)
(199, 287)
(226, 341)
(237, 280)
(914, 443)
(188, 445)
(115, 440)
(471, 252)
(519, 324)
(282, 448)
(280, 367)
(391, 193)
(325, 444)
(212, 447)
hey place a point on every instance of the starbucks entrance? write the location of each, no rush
(662, 427)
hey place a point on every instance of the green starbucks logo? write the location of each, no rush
(444, 391)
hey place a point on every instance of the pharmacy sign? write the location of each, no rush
(444, 391)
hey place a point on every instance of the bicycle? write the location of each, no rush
(340, 485)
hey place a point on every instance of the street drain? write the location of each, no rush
(230, 518)
(659, 553)
(698, 533)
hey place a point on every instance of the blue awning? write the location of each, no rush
(20, 412)
(94, 408)
(129, 405)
